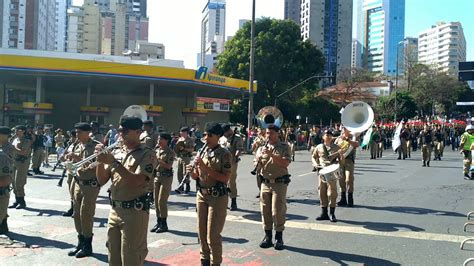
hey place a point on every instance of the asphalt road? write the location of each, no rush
(404, 214)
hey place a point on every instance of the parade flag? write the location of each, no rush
(367, 138)
(396, 142)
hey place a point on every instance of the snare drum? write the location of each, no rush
(330, 173)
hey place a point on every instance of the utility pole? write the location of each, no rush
(251, 75)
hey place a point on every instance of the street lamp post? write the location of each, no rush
(297, 85)
(396, 86)
(251, 74)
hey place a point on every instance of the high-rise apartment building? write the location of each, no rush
(407, 54)
(328, 24)
(293, 10)
(443, 46)
(381, 28)
(61, 22)
(75, 29)
(113, 27)
(91, 41)
(212, 32)
(356, 56)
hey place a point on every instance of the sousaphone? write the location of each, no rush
(357, 117)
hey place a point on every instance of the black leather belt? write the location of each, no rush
(4, 190)
(90, 182)
(283, 179)
(140, 204)
(219, 190)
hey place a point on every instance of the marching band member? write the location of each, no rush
(163, 181)
(129, 196)
(325, 154)
(212, 172)
(183, 148)
(86, 189)
(22, 158)
(7, 152)
(438, 142)
(426, 143)
(347, 169)
(467, 139)
(290, 138)
(234, 143)
(273, 173)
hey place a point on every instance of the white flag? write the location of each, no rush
(396, 142)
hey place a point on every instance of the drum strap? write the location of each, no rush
(326, 153)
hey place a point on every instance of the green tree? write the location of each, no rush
(282, 60)
(406, 106)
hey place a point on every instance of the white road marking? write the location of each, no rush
(310, 173)
(297, 225)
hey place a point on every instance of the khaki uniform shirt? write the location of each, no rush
(139, 161)
(59, 140)
(339, 142)
(186, 143)
(84, 151)
(150, 140)
(321, 157)
(233, 144)
(6, 165)
(166, 155)
(9, 149)
(22, 144)
(218, 159)
(270, 170)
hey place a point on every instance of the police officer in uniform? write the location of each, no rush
(290, 138)
(259, 142)
(95, 133)
(325, 154)
(129, 196)
(212, 172)
(6, 170)
(467, 139)
(21, 164)
(234, 143)
(404, 137)
(347, 169)
(73, 142)
(148, 136)
(426, 143)
(375, 140)
(86, 190)
(183, 148)
(273, 172)
(438, 143)
(163, 180)
(38, 151)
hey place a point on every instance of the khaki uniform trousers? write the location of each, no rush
(232, 184)
(379, 149)
(4, 206)
(373, 149)
(292, 148)
(327, 193)
(38, 158)
(85, 198)
(20, 171)
(402, 150)
(70, 184)
(182, 162)
(162, 193)
(126, 236)
(426, 152)
(467, 161)
(212, 212)
(408, 148)
(347, 180)
(273, 205)
(438, 148)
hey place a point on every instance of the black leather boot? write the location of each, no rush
(21, 203)
(233, 204)
(332, 214)
(343, 201)
(267, 240)
(350, 199)
(157, 225)
(424, 163)
(324, 214)
(163, 226)
(15, 204)
(205, 262)
(279, 245)
(179, 190)
(188, 188)
(428, 163)
(86, 250)
(80, 243)
(69, 212)
(4, 227)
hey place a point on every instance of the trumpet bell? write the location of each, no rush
(357, 117)
(269, 115)
(136, 111)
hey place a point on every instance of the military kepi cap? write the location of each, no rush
(329, 132)
(184, 129)
(5, 130)
(132, 123)
(166, 136)
(20, 127)
(148, 123)
(226, 127)
(83, 126)
(214, 128)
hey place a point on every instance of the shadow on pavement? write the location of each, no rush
(383, 227)
(45, 176)
(303, 201)
(195, 235)
(38, 241)
(341, 258)
(257, 216)
(101, 257)
(43, 212)
(412, 210)
(102, 221)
